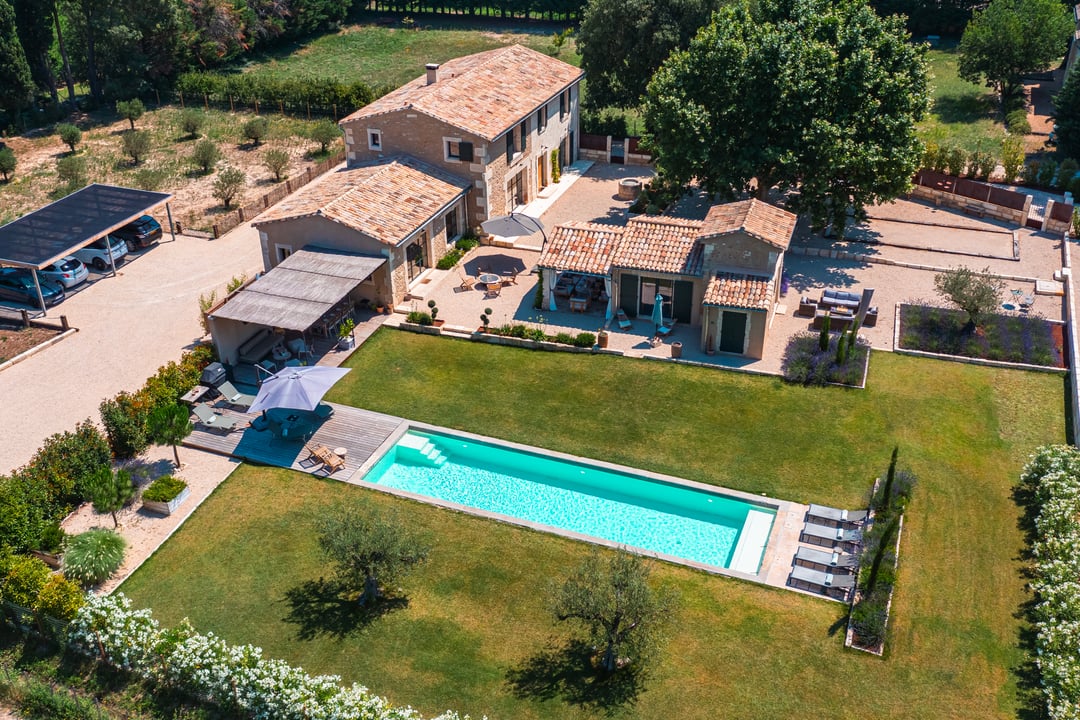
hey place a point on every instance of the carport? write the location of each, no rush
(310, 291)
(42, 237)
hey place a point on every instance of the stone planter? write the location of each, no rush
(49, 559)
(347, 343)
(676, 349)
(602, 339)
(166, 508)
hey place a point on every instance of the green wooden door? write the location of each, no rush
(733, 332)
(628, 294)
(684, 301)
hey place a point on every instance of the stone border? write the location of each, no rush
(861, 257)
(849, 636)
(36, 349)
(981, 361)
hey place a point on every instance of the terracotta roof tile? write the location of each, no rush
(660, 244)
(739, 290)
(485, 94)
(387, 200)
(756, 218)
(582, 247)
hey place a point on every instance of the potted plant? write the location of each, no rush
(602, 338)
(165, 495)
(485, 318)
(380, 306)
(346, 340)
(52, 540)
(435, 314)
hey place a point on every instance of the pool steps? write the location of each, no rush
(419, 450)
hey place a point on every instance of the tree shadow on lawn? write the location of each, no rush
(964, 108)
(567, 672)
(325, 607)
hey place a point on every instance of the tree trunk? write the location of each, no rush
(609, 661)
(176, 454)
(50, 77)
(371, 591)
(91, 61)
(68, 79)
(115, 522)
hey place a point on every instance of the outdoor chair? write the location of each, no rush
(665, 330)
(492, 289)
(833, 517)
(299, 348)
(510, 278)
(467, 282)
(323, 411)
(329, 459)
(234, 397)
(624, 321)
(211, 419)
(1026, 302)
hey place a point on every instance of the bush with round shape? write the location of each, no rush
(24, 580)
(131, 110)
(191, 122)
(7, 163)
(256, 130)
(91, 557)
(72, 170)
(1018, 123)
(59, 598)
(69, 134)
(205, 155)
(325, 133)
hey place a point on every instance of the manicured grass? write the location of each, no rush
(475, 632)
(388, 56)
(962, 114)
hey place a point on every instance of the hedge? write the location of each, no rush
(322, 94)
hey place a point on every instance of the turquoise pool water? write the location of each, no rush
(628, 509)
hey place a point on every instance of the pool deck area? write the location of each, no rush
(368, 435)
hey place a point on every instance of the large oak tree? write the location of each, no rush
(810, 94)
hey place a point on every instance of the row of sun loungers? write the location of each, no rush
(831, 566)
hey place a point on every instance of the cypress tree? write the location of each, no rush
(16, 85)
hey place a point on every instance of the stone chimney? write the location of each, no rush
(432, 73)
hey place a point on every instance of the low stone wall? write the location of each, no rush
(971, 205)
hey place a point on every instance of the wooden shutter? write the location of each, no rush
(465, 151)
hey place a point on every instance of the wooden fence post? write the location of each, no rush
(217, 231)
(182, 100)
(240, 213)
(256, 106)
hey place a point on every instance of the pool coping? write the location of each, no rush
(774, 567)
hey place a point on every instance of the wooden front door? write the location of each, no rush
(732, 332)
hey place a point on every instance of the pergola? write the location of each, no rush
(42, 237)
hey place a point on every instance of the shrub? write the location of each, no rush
(564, 338)
(450, 259)
(806, 363)
(1030, 175)
(981, 164)
(277, 162)
(192, 121)
(131, 110)
(230, 181)
(66, 461)
(955, 161)
(325, 133)
(466, 243)
(433, 308)
(39, 700)
(1066, 174)
(25, 577)
(235, 283)
(868, 619)
(69, 134)
(91, 557)
(256, 130)
(72, 170)
(124, 418)
(931, 156)
(24, 512)
(52, 537)
(556, 170)
(538, 295)
(7, 163)
(1047, 172)
(535, 334)
(59, 598)
(419, 318)
(165, 489)
(1017, 122)
(1012, 157)
(605, 122)
(584, 340)
(205, 155)
(136, 144)
(111, 491)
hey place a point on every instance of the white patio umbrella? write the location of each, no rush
(658, 311)
(300, 388)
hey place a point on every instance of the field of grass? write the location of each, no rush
(962, 114)
(167, 168)
(389, 55)
(475, 634)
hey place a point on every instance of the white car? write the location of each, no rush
(69, 271)
(97, 252)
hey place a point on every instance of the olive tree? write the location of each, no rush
(370, 549)
(277, 162)
(69, 134)
(977, 294)
(230, 181)
(7, 163)
(325, 133)
(615, 605)
(191, 122)
(205, 155)
(131, 110)
(136, 145)
(256, 130)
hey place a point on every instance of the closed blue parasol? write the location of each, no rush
(300, 388)
(658, 311)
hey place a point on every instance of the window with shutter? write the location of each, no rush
(524, 134)
(466, 151)
(509, 145)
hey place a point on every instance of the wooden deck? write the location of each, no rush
(360, 431)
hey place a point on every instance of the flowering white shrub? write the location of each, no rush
(233, 676)
(1053, 477)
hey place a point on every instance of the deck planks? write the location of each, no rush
(360, 431)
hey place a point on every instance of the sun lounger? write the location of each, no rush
(329, 459)
(837, 586)
(234, 397)
(624, 322)
(825, 536)
(834, 517)
(825, 559)
(211, 419)
(323, 411)
(665, 330)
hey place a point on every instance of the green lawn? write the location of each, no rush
(388, 55)
(475, 635)
(962, 114)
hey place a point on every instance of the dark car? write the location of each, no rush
(18, 284)
(142, 233)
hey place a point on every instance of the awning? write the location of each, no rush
(39, 238)
(299, 291)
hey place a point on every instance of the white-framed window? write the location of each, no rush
(453, 225)
(457, 150)
(374, 139)
(283, 252)
(541, 119)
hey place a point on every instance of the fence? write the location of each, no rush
(246, 212)
(599, 148)
(972, 196)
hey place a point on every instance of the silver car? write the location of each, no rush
(69, 271)
(97, 252)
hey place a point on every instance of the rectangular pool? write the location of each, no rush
(671, 519)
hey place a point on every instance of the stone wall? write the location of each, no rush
(973, 206)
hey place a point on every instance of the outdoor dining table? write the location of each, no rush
(289, 422)
(488, 278)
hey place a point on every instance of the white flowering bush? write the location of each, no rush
(1053, 478)
(236, 677)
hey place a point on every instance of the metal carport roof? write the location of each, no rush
(37, 239)
(300, 290)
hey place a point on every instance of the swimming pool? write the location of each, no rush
(672, 519)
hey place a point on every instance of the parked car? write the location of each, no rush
(97, 252)
(69, 272)
(141, 233)
(18, 284)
